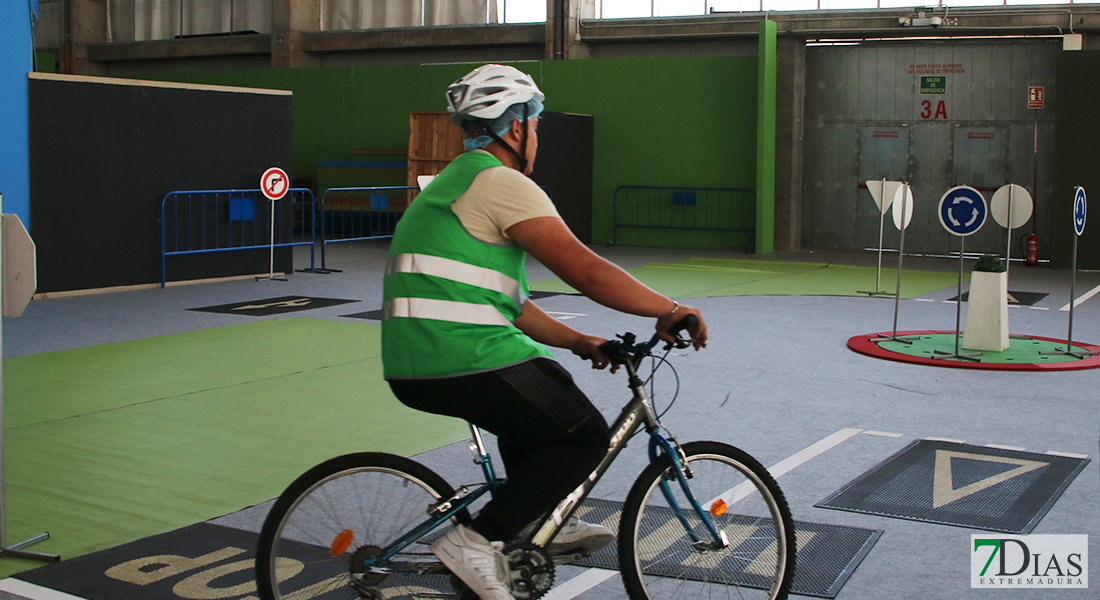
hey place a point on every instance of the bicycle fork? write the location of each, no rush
(658, 445)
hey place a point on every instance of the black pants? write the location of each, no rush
(549, 434)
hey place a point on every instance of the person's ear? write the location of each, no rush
(517, 128)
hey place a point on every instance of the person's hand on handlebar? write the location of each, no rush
(698, 332)
(588, 348)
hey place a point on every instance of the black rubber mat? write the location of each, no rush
(273, 306)
(962, 485)
(211, 561)
(827, 554)
(1014, 297)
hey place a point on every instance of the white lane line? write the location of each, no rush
(1002, 447)
(1066, 454)
(923, 299)
(1082, 298)
(589, 579)
(1039, 307)
(882, 434)
(939, 439)
(32, 591)
(950, 301)
(580, 584)
(744, 489)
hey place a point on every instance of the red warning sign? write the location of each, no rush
(1035, 96)
(274, 183)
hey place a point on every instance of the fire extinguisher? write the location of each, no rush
(1031, 252)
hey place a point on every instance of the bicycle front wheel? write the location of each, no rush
(340, 513)
(660, 560)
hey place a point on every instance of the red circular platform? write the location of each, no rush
(1021, 360)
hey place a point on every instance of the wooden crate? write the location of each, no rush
(433, 143)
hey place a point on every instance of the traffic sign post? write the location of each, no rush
(882, 192)
(1011, 207)
(274, 184)
(1080, 210)
(903, 199)
(962, 212)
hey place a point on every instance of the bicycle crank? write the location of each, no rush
(531, 569)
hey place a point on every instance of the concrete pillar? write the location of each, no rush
(572, 13)
(790, 104)
(87, 24)
(289, 20)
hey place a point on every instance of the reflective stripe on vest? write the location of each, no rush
(453, 270)
(444, 310)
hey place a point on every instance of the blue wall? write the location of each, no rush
(16, 52)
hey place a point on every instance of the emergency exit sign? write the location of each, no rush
(933, 84)
(1035, 96)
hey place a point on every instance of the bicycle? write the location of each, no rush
(360, 523)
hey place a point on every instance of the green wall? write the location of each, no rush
(658, 122)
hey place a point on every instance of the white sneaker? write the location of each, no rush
(576, 535)
(476, 561)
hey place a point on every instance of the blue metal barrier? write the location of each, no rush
(360, 213)
(684, 208)
(206, 221)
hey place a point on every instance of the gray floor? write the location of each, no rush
(776, 378)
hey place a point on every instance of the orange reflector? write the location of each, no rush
(342, 542)
(717, 509)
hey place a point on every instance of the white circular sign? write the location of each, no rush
(1022, 206)
(274, 183)
(903, 199)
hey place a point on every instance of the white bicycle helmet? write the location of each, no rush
(487, 91)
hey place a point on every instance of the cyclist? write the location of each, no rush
(460, 337)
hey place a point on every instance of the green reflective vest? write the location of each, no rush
(450, 299)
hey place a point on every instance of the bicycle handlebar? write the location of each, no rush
(625, 349)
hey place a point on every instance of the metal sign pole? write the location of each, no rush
(908, 339)
(973, 356)
(14, 550)
(271, 274)
(1008, 226)
(881, 221)
(1079, 205)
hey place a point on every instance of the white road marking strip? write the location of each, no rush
(580, 584)
(939, 439)
(1000, 447)
(1066, 454)
(32, 591)
(924, 299)
(882, 434)
(1082, 298)
(1039, 307)
(592, 577)
(744, 489)
(950, 301)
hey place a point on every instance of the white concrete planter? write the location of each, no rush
(987, 312)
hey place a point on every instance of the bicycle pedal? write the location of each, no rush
(569, 557)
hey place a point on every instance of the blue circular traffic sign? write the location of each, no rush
(963, 210)
(1080, 207)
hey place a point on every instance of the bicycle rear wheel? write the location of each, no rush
(658, 559)
(344, 511)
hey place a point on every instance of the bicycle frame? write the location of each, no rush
(638, 413)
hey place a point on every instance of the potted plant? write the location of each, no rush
(987, 307)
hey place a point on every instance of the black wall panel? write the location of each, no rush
(564, 165)
(1077, 128)
(103, 155)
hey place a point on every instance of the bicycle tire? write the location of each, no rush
(304, 549)
(656, 556)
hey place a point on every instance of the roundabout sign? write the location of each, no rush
(963, 210)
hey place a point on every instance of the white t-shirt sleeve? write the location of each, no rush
(498, 198)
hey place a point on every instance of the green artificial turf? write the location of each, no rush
(108, 444)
